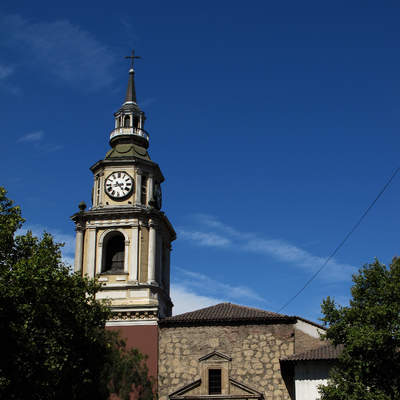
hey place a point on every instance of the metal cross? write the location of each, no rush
(132, 57)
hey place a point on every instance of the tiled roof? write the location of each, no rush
(325, 352)
(226, 313)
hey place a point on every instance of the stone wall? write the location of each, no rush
(255, 351)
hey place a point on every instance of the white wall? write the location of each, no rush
(308, 375)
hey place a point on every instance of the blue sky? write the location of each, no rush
(274, 123)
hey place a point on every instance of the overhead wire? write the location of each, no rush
(340, 245)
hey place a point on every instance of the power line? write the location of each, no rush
(340, 245)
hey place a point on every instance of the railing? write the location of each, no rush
(129, 131)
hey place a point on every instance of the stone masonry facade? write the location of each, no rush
(255, 351)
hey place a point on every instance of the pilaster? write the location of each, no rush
(152, 253)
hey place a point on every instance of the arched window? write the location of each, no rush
(114, 253)
(127, 121)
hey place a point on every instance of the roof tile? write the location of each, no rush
(325, 352)
(226, 313)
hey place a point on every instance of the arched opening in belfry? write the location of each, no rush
(127, 121)
(114, 253)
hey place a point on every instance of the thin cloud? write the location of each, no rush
(278, 249)
(5, 71)
(209, 239)
(186, 300)
(197, 281)
(65, 50)
(36, 139)
(31, 137)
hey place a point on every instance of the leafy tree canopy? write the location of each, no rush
(369, 328)
(54, 342)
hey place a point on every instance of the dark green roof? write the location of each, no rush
(128, 150)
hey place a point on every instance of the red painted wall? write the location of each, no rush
(145, 339)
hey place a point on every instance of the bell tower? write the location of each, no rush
(124, 238)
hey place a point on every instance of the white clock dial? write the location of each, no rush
(118, 185)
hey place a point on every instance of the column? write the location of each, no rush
(134, 255)
(101, 200)
(138, 191)
(126, 255)
(150, 186)
(91, 252)
(159, 263)
(167, 268)
(78, 250)
(151, 274)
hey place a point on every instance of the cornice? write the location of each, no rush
(110, 213)
(154, 288)
(130, 161)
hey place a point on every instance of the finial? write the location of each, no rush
(82, 206)
(131, 92)
(132, 58)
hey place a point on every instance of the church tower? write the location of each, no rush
(124, 239)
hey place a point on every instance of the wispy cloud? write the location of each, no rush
(65, 50)
(195, 281)
(278, 249)
(205, 238)
(186, 300)
(37, 140)
(31, 137)
(5, 71)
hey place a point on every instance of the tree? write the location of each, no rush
(54, 342)
(369, 328)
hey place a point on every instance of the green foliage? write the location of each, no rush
(369, 328)
(54, 342)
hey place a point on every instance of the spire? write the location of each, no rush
(131, 92)
(129, 120)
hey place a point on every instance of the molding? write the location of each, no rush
(126, 213)
(131, 323)
(215, 353)
(134, 315)
(106, 232)
(129, 161)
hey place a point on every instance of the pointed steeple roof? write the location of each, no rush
(131, 91)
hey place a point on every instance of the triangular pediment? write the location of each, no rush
(240, 388)
(235, 389)
(187, 390)
(215, 355)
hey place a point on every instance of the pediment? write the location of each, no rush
(240, 388)
(192, 391)
(215, 356)
(187, 390)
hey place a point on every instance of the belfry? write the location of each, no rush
(124, 238)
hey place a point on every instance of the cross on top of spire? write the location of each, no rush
(132, 57)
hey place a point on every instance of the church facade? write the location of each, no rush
(124, 239)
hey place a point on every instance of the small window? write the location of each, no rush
(214, 381)
(127, 121)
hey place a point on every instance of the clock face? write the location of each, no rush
(118, 185)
